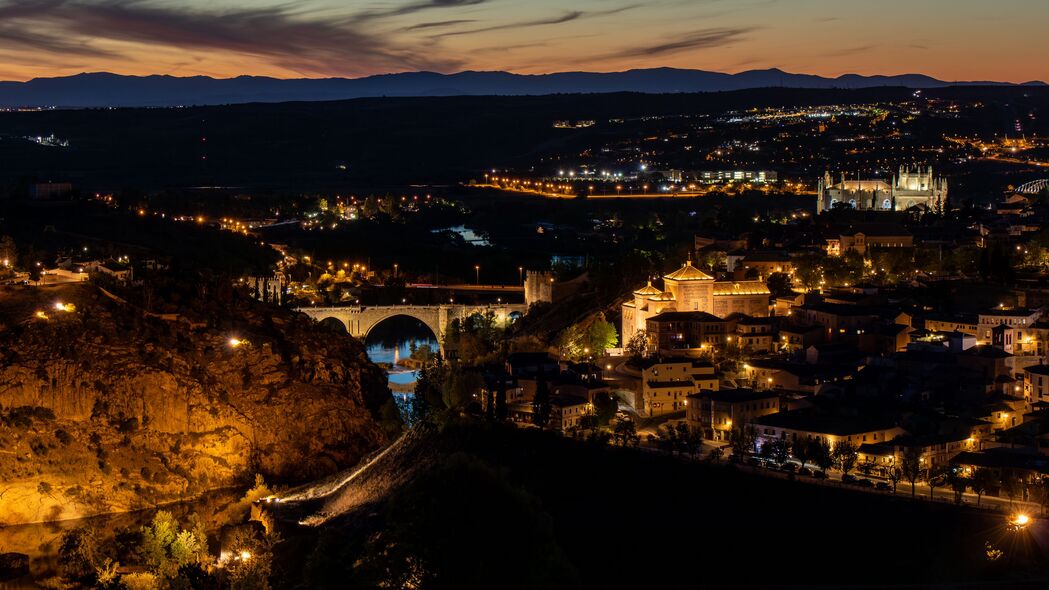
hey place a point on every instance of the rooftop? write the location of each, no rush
(685, 316)
(735, 395)
(835, 424)
(688, 273)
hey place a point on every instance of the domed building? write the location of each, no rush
(689, 289)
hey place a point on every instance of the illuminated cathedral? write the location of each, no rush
(909, 188)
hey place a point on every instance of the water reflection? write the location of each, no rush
(393, 341)
(468, 235)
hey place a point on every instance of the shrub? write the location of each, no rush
(139, 581)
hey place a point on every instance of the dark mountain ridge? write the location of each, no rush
(102, 89)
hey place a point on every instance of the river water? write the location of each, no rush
(41, 541)
(394, 340)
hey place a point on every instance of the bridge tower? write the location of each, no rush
(538, 287)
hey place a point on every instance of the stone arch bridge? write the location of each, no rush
(359, 320)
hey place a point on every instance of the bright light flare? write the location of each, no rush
(1019, 520)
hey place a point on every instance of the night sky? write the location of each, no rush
(953, 40)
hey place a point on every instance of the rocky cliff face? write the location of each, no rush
(107, 408)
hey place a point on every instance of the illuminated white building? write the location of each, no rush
(909, 188)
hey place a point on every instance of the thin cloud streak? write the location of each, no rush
(556, 20)
(288, 39)
(439, 24)
(418, 7)
(704, 39)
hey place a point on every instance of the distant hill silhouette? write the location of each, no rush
(112, 90)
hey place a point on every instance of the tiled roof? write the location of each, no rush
(687, 272)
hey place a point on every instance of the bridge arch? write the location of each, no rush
(436, 334)
(333, 323)
(1034, 187)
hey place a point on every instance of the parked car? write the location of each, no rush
(791, 467)
(819, 474)
(755, 462)
(883, 486)
(848, 478)
(805, 471)
(864, 483)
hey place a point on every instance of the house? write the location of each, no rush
(685, 332)
(934, 451)
(1025, 463)
(1003, 326)
(1036, 383)
(666, 383)
(567, 411)
(885, 338)
(797, 377)
(715, 412)
(763, 264)
(837, 319)
(754, 335)
(795, 337)
(861, 238)
(833, 428)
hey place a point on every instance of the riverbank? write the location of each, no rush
(41, 541)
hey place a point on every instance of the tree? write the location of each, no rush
(667, 438)
(845, 456)
(605, 407)
(779, 284)
(78, 554)
(715, 455)
(911, 464)
(821, 454)
(958, 484)
(895, 475)
(167, 548)
(249, 568)
(692, 439)
(1011, 485)
(801, 451)
(637, 346)
(742, 438)
(781, 451)
(981, 482)
(625, 433)
(429, 388)
(461, 388)
(937, 478)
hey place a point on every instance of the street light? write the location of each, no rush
(477, 273)
(520, 274)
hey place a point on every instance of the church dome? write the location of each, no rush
(688, 273)
(647, 290)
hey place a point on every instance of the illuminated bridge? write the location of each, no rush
(360, 319)
(1034, 187)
